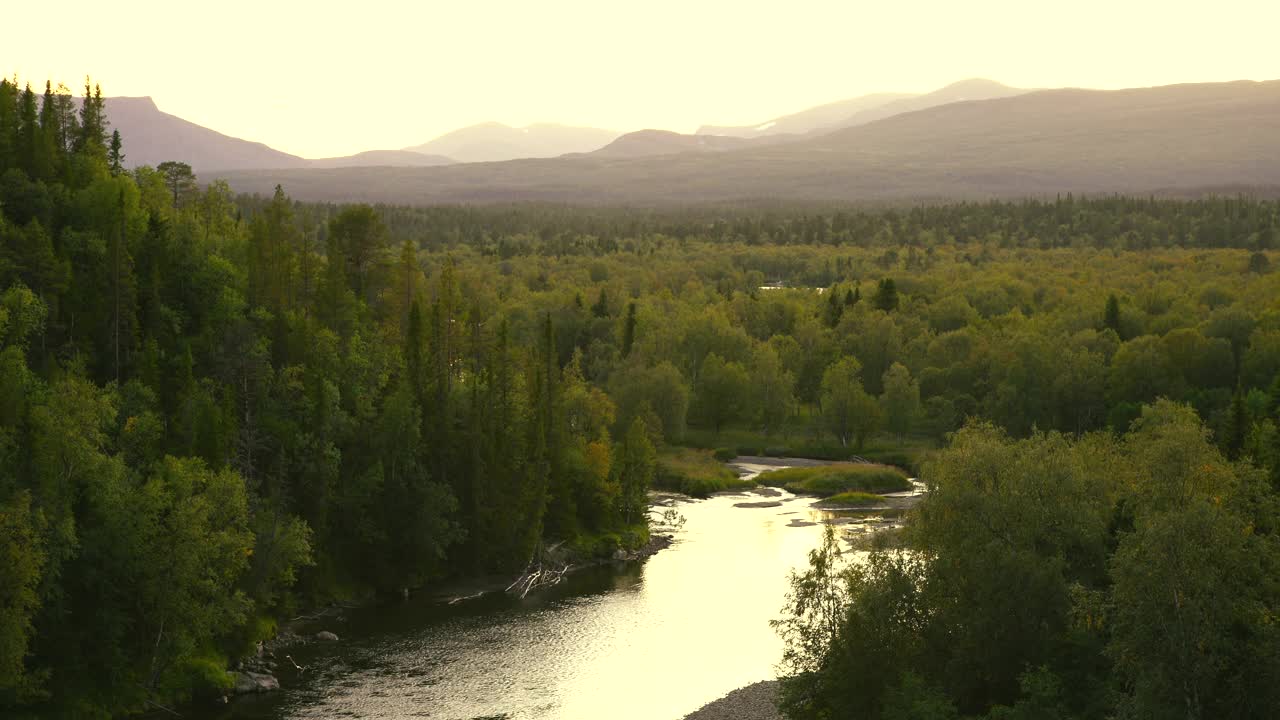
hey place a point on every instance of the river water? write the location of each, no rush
(647, 640)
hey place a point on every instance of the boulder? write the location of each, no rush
(252, 682)
(619, 554)
(326, 636)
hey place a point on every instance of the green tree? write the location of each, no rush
(179, 178)
(901, 400)
(848, 411)
(635, 465)
(721, 391)
(361, 235)
(774, 389)
(22, 562)
(115, 157)
(886, 297)
(1111, 316)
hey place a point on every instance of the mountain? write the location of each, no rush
(382, 158)
(815, 118)
(644, 143)
(151, 137)
(490, 142)
(865, 109)
(974, 89)
(1039, 143)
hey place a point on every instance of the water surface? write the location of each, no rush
(649, 640)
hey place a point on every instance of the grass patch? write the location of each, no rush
(602, 545)
(853, 498)
(908, 452)
(828, 480)
(695, 472)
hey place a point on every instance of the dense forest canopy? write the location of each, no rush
(217, 409)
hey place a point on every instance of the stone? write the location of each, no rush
(619, 554)
(326, 636)
(252, 682)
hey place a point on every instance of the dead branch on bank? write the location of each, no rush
(542, 571)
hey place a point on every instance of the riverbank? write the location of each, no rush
(758, 701)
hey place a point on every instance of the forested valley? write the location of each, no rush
(217, 411)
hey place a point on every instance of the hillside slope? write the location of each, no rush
(152, 136)
(493, 142)
(815, 118)
(382, 158)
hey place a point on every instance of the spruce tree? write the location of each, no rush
(115, 154)
(886, 295)
(1111, 316)
(629, 330)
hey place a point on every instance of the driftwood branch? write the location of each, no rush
(542, 571)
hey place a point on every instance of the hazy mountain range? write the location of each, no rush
(152, 136)
(974, 139)
(865, 109)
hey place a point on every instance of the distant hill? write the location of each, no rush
(382, 158)
(490, 142)
(644, 143)
(865, 109)
(814, 119)
(975, 89)
(151, 137)
(1038, 143)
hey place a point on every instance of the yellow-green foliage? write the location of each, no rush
(828, 480)
(695, 472)
(852, 499)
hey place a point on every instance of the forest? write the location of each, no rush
(217, 410)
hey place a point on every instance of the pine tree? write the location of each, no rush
(1111, 316)
(8, 124)
(115, 154)
(28, 135)
(601, 308)
(886, 298)
(1237, 426)
(835, 308)
(629, 330)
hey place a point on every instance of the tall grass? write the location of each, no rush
(695, 472)
(852, 499)
(828, 480)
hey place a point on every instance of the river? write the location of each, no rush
(647, 640)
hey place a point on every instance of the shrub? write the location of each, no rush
(828, 480)
(852, 499)
(695, 472)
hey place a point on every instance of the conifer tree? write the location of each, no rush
(115, 154)
(886, 298)
(629, 330)
(1111, 316)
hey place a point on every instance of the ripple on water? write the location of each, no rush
(637, 641)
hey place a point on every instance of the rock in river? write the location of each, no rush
(252, 682)
(326, 636)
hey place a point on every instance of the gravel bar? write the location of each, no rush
(753, 702)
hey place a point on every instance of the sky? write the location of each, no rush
(321, 78)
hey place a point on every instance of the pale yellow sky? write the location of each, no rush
(325, 78)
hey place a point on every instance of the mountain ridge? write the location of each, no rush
(496, 142)
(1035, 143)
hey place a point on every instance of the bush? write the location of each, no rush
(852, 499)
(828, 480)
(695, 472)
(725, 454)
